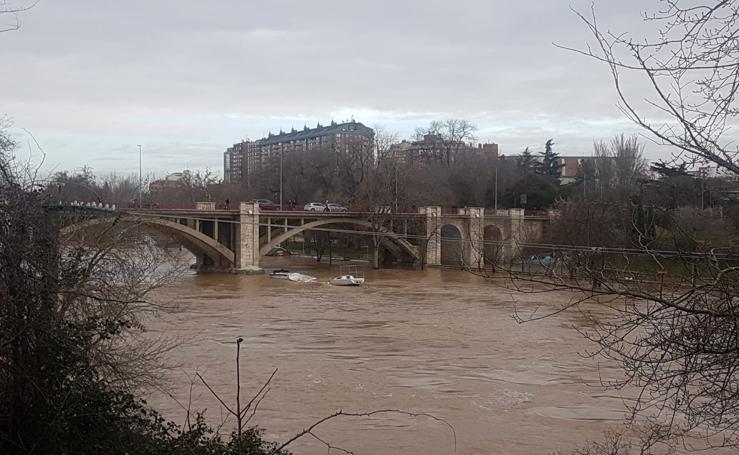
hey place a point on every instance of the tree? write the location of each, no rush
(70, 318)
(13, 12)
(354, 164)
(198, 185)
(384, 140)
(526, 162)
(671, 310)
(672, 192)
(454, 134)
(534, 191)
(452, 130)
(381, 195)
(585, 179)
(79, 186)
(628, 160)
(667, 170)
(689, 64)
(549, 164)
(618, 166)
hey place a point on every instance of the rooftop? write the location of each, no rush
(319, 131)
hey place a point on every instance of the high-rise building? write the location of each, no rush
(248, 158)
(232, 163)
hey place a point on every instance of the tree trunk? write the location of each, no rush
(376, 256)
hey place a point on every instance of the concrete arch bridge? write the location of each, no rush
(236, 240)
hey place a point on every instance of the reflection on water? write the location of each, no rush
(439, 342)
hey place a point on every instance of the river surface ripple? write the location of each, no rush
(441, 342)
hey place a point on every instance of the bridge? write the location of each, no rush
(236, 239)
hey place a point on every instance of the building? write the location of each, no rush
(248, 158)
(712, 172)
(570, 166)
(175, 180)
(434, 147)
(232, 162)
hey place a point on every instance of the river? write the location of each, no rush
(441, 342)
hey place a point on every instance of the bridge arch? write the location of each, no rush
(452, 245)
(402, 243)
(193, 240)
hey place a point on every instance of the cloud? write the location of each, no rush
(188, 79)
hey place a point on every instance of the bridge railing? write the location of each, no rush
(296, 209)
(82, 205)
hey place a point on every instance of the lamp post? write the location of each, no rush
(140, 175)
(281, 209)
(496, 189)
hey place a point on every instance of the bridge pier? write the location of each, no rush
(517, 237)
(246, 248)
(476, 236)
(433, 235)
(205, 264)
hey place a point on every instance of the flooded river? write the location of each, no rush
(437, 342)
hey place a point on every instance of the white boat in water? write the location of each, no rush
(350, 276)
(347, 280)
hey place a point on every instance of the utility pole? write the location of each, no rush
(496, 189)
(395, 165)
(140, 175)
(281, 153)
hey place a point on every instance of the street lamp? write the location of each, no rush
(140, 175)
(496, 189)
(281, 209)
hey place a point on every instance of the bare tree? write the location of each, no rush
(628, 158)
(690, 64)
(673, 303)
(453, 135)
(618, 165)
(70, 311)
(10, 14)
(384, 140)
(355, 161)
(319, 240)
(453, 130)
(198, 184)
(604, 166)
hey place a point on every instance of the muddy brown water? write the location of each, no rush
(440, 342)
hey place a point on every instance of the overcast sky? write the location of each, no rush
(186, 79)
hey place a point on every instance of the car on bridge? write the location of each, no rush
(264, 204)
(334, 207)
(315, 207)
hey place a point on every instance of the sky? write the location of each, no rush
(90, 80)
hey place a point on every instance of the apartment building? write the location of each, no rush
(248, 158)
(434, 147)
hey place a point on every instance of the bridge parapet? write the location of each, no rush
(205, 206)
